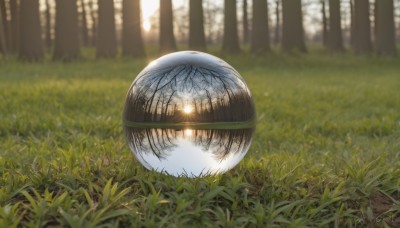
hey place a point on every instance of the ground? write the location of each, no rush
(325, 152)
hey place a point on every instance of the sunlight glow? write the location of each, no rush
(187, 109)
(152, 63)
(146, 25)
(188, 132)
(149, 8)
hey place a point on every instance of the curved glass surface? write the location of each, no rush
(189, 113)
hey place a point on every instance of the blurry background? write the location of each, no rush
(30, 28)
(325, 153)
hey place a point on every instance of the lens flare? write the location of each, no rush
(187, 109)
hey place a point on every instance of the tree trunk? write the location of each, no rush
(48, 25)
(335, 40)
(30, 42)
(245, 23)
(385, 32)
(93, 17)
(362, 39)
(3, 39)
(292, 26)
(66, 46)
(260, 31)
(4, 21)
(84, 26)
(324, 24)
(132, 42)
(14, 11)
(352, 25)
(106, 45)
(277, 36)
(167, 39)
(197, 39)
(230, 43)
(374, 25)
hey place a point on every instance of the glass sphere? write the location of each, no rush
(189, 114)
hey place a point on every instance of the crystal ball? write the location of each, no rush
(189, 114)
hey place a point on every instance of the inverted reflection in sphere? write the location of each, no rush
(189, 113)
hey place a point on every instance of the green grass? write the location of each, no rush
(326, 153)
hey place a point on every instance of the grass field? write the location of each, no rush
(326, 153)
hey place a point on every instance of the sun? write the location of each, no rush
(188, 132)
(149, 8)
(187, 109)
(146, 26)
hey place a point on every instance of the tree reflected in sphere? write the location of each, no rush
(189, 114)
